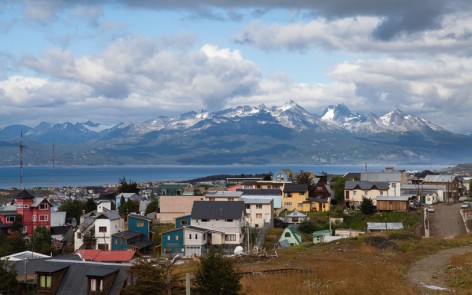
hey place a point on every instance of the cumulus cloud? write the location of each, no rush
(355, 35)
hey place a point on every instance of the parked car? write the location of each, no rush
(430, 209)
(465, 205)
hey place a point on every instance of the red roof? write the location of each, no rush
(106, 256)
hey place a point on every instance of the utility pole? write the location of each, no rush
(21, 160)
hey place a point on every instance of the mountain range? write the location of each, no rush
(285, 134)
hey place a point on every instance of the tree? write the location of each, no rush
(216, 275)
(41, 241)
(367, 206)
(470, 188)
(128, 187)
(73, 208)
(122, 208)
(304, 177)
(18, 224)
(152, 206)
(132, 206)
(90, 205)
(148, 277)
(12, 243)
(8, 283)
(337, 183)
(307, 227)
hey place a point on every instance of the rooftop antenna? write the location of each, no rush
(53, 165)
(21, 160)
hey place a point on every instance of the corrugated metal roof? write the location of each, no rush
(381, 176)
(295, 188)
(224, 194)
(392, 198)
(439, 178)
(384, 226)
(256, 201)
(296, 214)
(260, 192)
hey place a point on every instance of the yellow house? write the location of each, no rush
(294, 197)
(354, 191)
(320, 204)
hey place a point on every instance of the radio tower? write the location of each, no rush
(21, 160)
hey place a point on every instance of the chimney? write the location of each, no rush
(82, 217)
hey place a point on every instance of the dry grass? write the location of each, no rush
(460, 273)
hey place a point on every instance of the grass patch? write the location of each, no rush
(357, 220)
(460, 273)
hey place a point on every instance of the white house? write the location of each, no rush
(98, 226)
(259, 211)
(223, 196)
(224, 221)
(425, 193)
(395, 180)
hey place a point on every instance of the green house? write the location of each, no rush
(290, 237)
(319, 234)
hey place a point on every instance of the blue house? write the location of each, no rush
(140, 224)
(138, 237)
(182, 221)
(172, 242)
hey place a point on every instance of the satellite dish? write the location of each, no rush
(238, 250)
(74, 222)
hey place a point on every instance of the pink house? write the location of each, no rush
(35, 212)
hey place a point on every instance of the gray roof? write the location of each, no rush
(260, 192)
(75, 280)
(366, 185)
(127, 234)
(256, 201)
(439, 178)
(196, 228)
(381, 176)
(423, 187)
(23, 255)
(296, 214)
(392, 198)
(224, 194)
(58, 218)
(112, 215)
(217, 210)
(295, 188)
(384, 225)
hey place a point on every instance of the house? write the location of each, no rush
(394, 179)
(34, 211)
(294, 196)
(21, 256)
(290, 237)
(354, 191)
(320, 189)
(182, 221)
(96, 229)
(62, 236)
(71, 275)
(215, 223)
(171, 207)
(172, 242)
(425, 193)
(350, 233)
(263, 184)
(392, 203)
(172, 189)
(106, 256)
(319, 204)
(138, 236)
(273, 194)
(453, 184)
(223, 196)
(295, 218)
(319, 235)
(259, 212)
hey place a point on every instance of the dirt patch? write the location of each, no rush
(430, 272)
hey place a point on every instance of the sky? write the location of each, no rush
(134, 60)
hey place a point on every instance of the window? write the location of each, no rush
(95, 284)
(354, 193)
(287, 235)
(211, 199)
(230, 199)
(168, 238)
(10, 218)
(300, 205)
(25, 206)
(45, 281)
(204, 220)
(43, 218)
(196, 236)
(102, 229)
(230, 237)
(34, 217)
(190, 236)
(116, 242)
(288, 204)
(140, 224)
(288, 195)
(248, 206)
(301, 193)
(229, 220)
(79, 236)
(184, 222)
(43, 206)
(258, 206)
(176, 237)
(258, 215)
(381, 193)
(294, 219)
(319, 188)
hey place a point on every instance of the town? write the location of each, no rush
(89, 239)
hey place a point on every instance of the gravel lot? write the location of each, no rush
(446, 222)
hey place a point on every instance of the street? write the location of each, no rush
(446, 222)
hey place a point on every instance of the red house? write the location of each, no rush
(35, 212)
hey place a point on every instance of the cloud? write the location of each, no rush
(404, 16)
(355, 35)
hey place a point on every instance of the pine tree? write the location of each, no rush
(367, 206)
(148, 277)
(216, 275)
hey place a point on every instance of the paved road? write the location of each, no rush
(446, 222)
